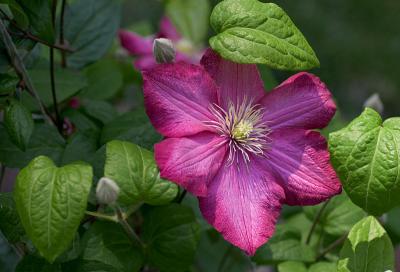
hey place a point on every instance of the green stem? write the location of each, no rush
(316, 220)
(20, 69)
(336, 243)
(52, 74)
(128, 229)
(112, 218)
(181, 197)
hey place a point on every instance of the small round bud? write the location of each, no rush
(107, 191)
(374, 102)
(163, 50)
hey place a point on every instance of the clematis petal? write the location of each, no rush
(168, 30)
(145, 62)
(191, 161)
(301, 160)
(243, 203)
(236, 81)
(177, 98)
(135, 44)
(302, 101)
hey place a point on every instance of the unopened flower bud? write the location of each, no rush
(107, 191)
(163, 50)
(374, 102)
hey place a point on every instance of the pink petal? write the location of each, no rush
(145, 62)
(301, 160)
(168, 30)
(302, 101)
(236, 81)
(177, 98)
(243, 203)
(191, 161)
(135, 44)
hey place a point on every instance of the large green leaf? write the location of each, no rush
(45, 140)
(104, 80)
(107, 243)
(80, 147)
(285, 245)
(68, 83)
(19, 123)
(90, 27)
(51, 202)
(323, 267)
(190, 17)
(39, 15)
(171, 234)
(249, 31)
(10, 224)
(368, 249)
(135, 171)
(366, 155)
(132, 126)
(338, 217)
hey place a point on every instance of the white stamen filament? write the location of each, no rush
(243, 128)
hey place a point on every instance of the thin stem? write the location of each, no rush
(20, 69)
(2, 172)
(316, 220)
(112, 218)
(181, 197)
(62, 39)
(336, 243)
(52, 74)
(128, 229)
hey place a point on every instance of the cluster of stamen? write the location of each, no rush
(243, 128)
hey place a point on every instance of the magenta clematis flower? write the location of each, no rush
(142, 47)
(242, 151)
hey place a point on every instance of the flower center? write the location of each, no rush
(242, 126)
(242, 130)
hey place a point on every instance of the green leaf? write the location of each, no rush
(32, 263)
(368, 248)
(39, 15)
(215, 253)
(51, 202)
(18, 13)
(323, 267)
(81, 121)
(68, 83)
(339, 215)
(135, 171)
(45, 140)
(8, 83)
(19, 123)
(190, 18)
(249, 31)
(285, 245)
(291, 266)
(107, 243)
(80, 147)
(366, 155)
(10, 225)
(99, 110)
(91, 31)
(88, 266)
(171, 235)
(132, 126)
(104, 80)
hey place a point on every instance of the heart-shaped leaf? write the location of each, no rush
(135, 171)
(366, 155)
(249, 31)
(367, 249)
(51, 202)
